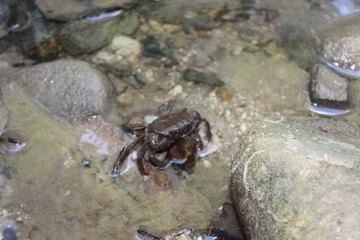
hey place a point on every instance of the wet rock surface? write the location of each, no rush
(4, 16)
(343, 52)
(296, 178)
(3, 115)
(192, 75)
(328, 89)
(279, 80)
(199, 15)
(66, 87)
(69, 9)
(340, 43)
(87, 35)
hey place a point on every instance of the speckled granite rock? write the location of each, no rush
(298, 178)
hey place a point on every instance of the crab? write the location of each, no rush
(165, 133)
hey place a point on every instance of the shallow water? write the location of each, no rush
(50, 194)
(50, 190)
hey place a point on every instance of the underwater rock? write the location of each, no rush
(343, 52)
(66, 87)
(355, 96)
(130, 24)
(299, 44)
(125, 46)
(289, 173)
(340, 44)
(153, 46)
(199, 15)
(88, 34)
(4, 16)
(70, 9)
(276, 84)
(192, 75)
(3, 115)
(328, 89)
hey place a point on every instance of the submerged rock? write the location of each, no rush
(70, 9)
(66, 87)
(276, 84)
(297, 178)
(328, 89)
(4, 16)
(340, 44)
(153, 46)
(343, 52)
(125, 46)
(199, 15)
(89, 34)
(192, 75)
(3, 116)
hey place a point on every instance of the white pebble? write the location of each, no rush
(207, 164)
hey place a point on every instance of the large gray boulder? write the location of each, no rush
(298, 178)
(66, 87)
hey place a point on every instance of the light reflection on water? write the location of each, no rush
(328, 111)
(105, 15)
(344, 7)
(348, 73)
(90, 136)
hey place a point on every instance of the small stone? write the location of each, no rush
(192, 75)
(328, 89)
(19, 219)
(177, 92)
(5, 213)
(125, 46)
(227, 116)
(172, 28)
(201, 60)
(207, 164)
(156, 25)
(243, 115)
(153, 46)
(189, 14)
(224, 94)
(122, 89)
(203, 33)
(125, 99)
(243, 127)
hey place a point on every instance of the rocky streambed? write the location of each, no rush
(279, 171)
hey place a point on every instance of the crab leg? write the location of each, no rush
(156, 162)
(140, 157)
(208, 131)
(166, 106)
(124, 153)
(197, 138)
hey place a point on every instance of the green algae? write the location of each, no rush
(66, 200)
